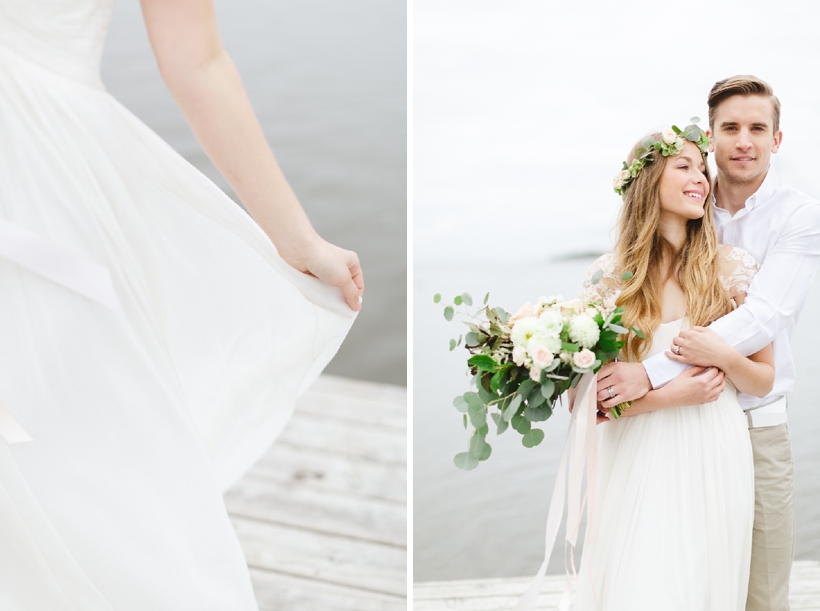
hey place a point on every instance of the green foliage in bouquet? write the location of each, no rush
(520, 365)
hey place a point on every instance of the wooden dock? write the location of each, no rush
(502, 594)
(323, 516)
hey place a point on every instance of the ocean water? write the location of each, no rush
(490, 522)
(328, 82)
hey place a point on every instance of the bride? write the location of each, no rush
(155, 338)
(671, 525)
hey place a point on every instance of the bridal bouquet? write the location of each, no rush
(521, 364)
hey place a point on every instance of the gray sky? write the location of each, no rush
(524, 110)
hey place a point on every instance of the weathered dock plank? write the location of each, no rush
(322, 517)
(502, 594)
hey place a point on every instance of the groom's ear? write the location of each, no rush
(711, 142)
(778, 138)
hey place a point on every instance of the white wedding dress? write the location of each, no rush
(142, 409)
(672, 517)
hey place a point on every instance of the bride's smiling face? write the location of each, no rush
(683, 185)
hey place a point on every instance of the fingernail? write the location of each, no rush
(360, 300)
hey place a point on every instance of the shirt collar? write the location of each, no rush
(763, 194)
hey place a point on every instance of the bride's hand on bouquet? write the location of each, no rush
(696, 386)
(330, 264)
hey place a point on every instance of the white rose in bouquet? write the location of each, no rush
(584, 359)
(540, 355)
(535, 374)
(519, 355)
(584, 331)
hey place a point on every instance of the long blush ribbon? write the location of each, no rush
(584, 449)
(60, 265)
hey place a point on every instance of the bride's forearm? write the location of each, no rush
(206, 85)
(216, 106)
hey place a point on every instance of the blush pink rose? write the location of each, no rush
(584, 359)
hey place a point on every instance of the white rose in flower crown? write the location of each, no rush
(535, 374)
(625, 175)
(524, 330)
(584, 359)
(584, 331)
(519, 355)
(669, 136)
(541, 357)
(617, 183)
(551, 322)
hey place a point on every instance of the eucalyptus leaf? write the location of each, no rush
(465, 297)
(618, 328)
(483, 431)
(486, 298)
(465, 461)
(502, 314)
(464, 417)
(596, 277)
(547, 388)
(567, 347)
(452, 345)
(626, 276)
(638, 333)
(648, 142)
(478, 415)
(512, 408)
(486, 453)
(477, 444)
(526, 388)
(448, 312)
(521, 424)
(471, 339)
(532, 438)
(500, 423)
(460, 404)
(457, 300)
(694, 120)
(536, 414)
(535, 399)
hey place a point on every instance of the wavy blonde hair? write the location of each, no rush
(641, 249)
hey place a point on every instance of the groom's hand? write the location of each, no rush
(628, 382)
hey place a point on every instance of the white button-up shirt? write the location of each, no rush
(780, 227)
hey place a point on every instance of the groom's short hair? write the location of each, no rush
(742, 84)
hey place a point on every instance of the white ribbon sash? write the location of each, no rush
(583, 450)
(60, 265)
(57, 263)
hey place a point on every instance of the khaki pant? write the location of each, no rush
(773, 536)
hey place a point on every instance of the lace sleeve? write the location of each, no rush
(736, 270)
(609, 286)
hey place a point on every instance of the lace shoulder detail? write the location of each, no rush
(736, 268)
(610, 283)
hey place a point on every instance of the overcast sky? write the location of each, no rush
(524, 110)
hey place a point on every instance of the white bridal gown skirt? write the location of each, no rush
(673, 511)
(141, 414)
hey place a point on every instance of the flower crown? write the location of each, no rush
(671, 143)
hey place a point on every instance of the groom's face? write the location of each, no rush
(743, 139)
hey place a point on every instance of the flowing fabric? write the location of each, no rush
(143, 410)
(674, 509)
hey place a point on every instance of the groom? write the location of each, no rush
(780, 227)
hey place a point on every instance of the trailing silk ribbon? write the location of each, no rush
(60, 265)
(583, 450)
(57, 263)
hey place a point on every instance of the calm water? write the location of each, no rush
(328, 82)
(490, 522)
